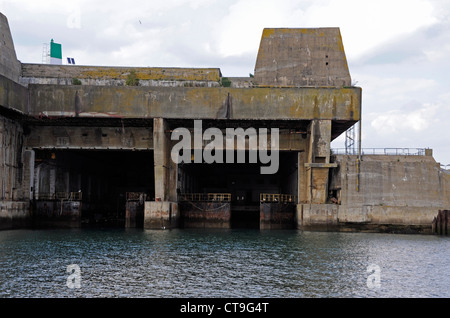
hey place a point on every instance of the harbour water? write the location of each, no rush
(221, 263)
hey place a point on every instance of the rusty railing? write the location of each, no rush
(381, 151)
(277, 198)
(65, 196)
(210, 197)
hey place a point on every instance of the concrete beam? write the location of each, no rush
(195, 103)
(321, 165)
(94, 138)
(118, 138)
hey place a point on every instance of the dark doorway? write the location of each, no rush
(243, 181)
(103, 177)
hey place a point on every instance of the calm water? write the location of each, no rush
(221, 263)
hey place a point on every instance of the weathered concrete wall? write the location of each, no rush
(321, 217)
(302, 57)
(396, 193)
(49, 74)
(192, 103)
(410, 181)
(13, 96)
(11, 140)
(14, 214)
(14, 173)
(446, 186)
(59, 214)
(239, 82)
(9, 65)
(161, 215)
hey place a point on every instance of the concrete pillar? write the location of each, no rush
(161, 159)
(36, 183)
(28, 174)
(163, 213)
(165, 168)
(318, 161)
(302, 179)
(52, 189)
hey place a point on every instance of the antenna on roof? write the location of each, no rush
(45, 53)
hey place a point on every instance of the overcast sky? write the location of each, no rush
(398, 51)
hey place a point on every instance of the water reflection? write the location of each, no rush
(221, 263)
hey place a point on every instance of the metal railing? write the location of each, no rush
(275, 197)
(210, 197)
(66, 196)
(135, 196)
(381, 151)
(45, 196)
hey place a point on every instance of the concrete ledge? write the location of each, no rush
(14, 214)
(321, 165)
(117, 72)
(398, 219)
(317, 217)
(161, 215)
(387, 219)
(401, 215)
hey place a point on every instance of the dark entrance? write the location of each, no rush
(243, 181)
(104, 179)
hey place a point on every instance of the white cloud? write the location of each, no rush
(239, 31)
(366, 24)
(388, 92)
(397, 121)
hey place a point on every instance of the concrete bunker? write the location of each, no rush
(92, 187)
